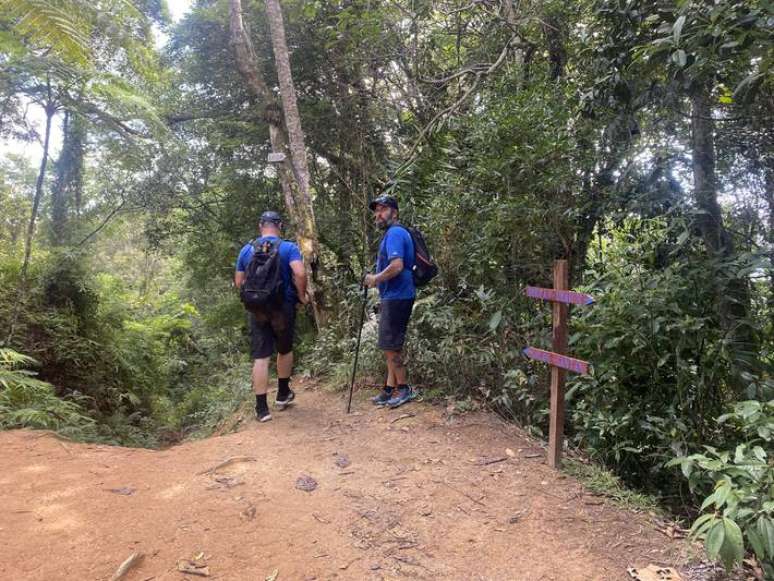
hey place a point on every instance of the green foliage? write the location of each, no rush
(512, 133)
(662, 367)
(741, 479)
(27, 402)
(57, 23)
(123, 348)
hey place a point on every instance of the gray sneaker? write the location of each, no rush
(403, 395)
(383, 397)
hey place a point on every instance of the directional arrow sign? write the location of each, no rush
(558, 296)
(569, 363)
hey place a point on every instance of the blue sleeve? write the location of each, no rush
(396, 244)
(294, 253)
(244, 258)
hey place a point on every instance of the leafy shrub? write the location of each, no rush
(661, 364)
(741, 479)
(27, 402)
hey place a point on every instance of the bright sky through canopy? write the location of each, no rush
(178, 8)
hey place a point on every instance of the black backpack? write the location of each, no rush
(425, 268)
(263, 289)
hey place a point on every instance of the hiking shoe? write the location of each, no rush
(384, 397)
(403, 395)
(262, 415)
(283, 403)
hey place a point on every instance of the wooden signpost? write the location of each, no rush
(560, 296)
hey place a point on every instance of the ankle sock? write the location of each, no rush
(260, 402)
(283, 387)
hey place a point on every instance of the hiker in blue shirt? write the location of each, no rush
(395, 281)
(276, 327)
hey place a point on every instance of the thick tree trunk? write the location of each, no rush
(294, 178)
(710, 221)
(50, 110)
(733, 294)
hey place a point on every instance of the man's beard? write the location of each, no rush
(382, 224)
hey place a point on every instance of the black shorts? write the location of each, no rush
(394, 315)
(274, 329)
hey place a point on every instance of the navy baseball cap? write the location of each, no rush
(272, 217)
(383, 200)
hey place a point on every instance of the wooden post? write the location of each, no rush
(560, 310)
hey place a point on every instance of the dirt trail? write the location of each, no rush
(417, 500)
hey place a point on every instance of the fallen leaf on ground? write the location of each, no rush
(517, 517)
(654, 573)
(273, 576)
(510, 453)
(191, 568)
(228, 481)
(306, 483)
(672, 531)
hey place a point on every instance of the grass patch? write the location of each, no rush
(603, 482)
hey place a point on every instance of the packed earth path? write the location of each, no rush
(409, 493)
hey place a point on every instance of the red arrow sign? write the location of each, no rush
(558, 296)
(569, 363)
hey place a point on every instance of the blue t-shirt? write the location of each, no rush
(397, 243)
(288, 252)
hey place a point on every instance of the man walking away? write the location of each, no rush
(394, 278)
(273, 326)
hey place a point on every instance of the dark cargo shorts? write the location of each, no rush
(394, 315)
(273, 329)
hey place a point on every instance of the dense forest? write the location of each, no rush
(634, 138)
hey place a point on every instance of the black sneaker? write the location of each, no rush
(283, 403)
(262, 415)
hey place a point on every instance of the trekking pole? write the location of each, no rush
(357, 348)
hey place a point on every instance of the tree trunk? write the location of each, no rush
(768, 193)
(553, 29)
(732, 292)
(294, 178)
(307, 225)
(50, 110)
(68, 184)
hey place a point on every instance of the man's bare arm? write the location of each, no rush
(393, 269)
(299, 279)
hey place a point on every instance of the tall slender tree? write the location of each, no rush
(286, 137)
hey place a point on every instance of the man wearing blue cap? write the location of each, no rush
(275, 328)
(395, 281)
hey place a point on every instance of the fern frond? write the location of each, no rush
(53, 24)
